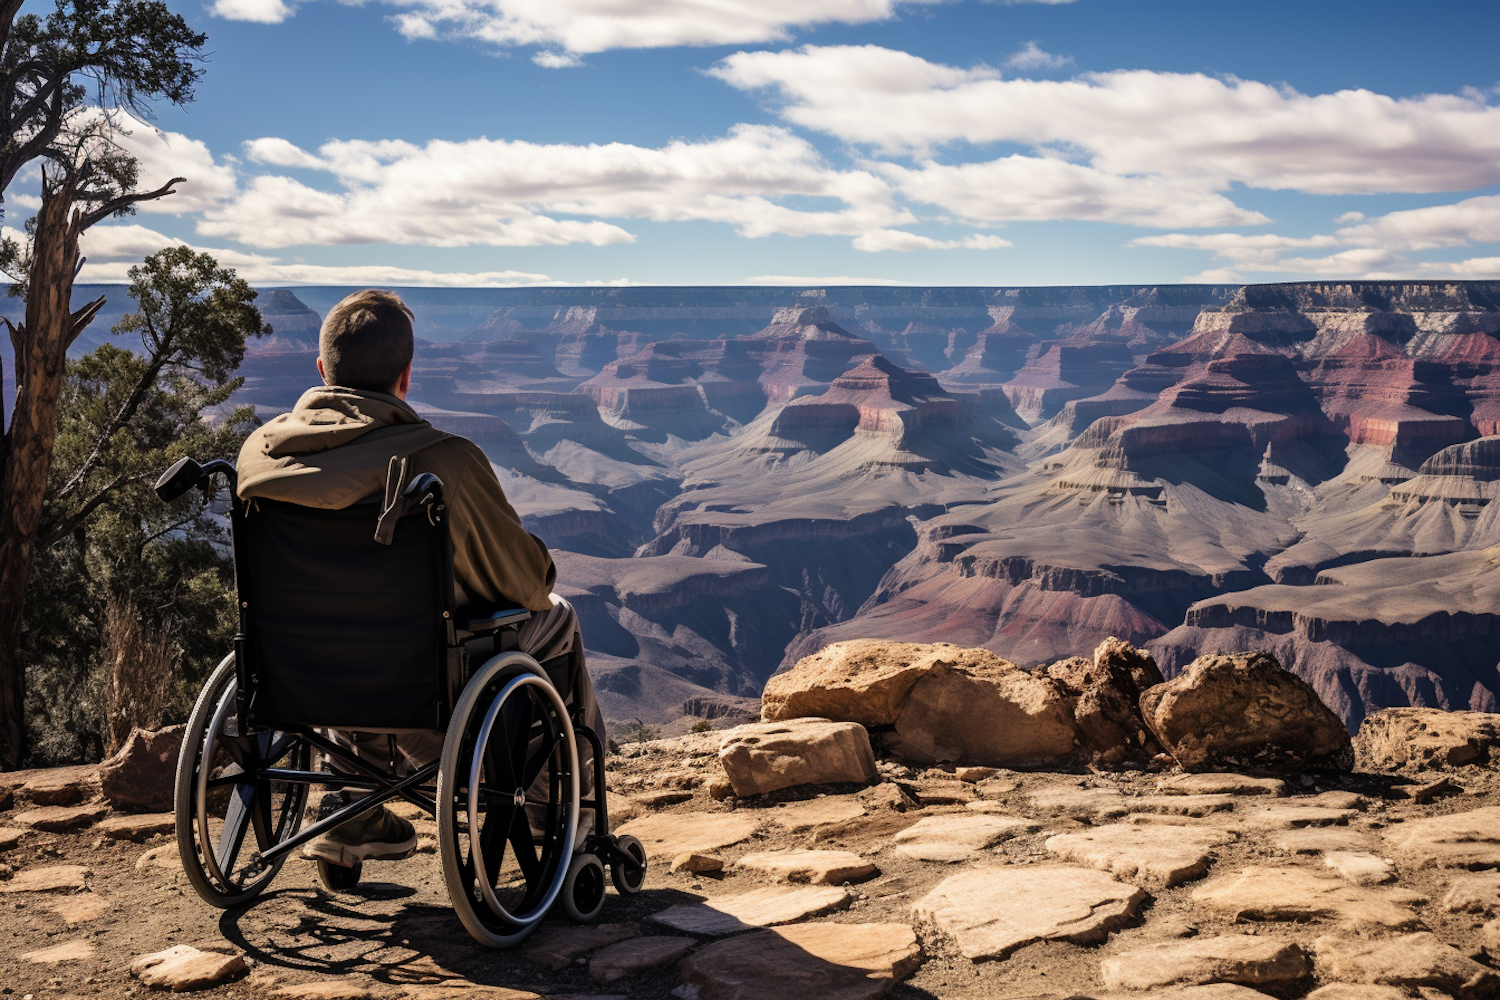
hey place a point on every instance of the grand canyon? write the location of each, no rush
(733, 478)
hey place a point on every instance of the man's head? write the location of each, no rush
(366, 343)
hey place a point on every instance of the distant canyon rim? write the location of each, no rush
(732, 478)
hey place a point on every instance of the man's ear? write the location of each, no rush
(403, 384)
(320, 372)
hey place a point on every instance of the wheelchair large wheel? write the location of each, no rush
(225, 817)
(507, 800)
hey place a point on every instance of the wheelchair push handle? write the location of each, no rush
(187, 473)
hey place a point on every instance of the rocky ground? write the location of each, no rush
(970, 882)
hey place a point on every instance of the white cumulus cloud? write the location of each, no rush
(895, 239)
(1033, 56)
(259, 11)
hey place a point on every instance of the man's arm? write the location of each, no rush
(494, 558)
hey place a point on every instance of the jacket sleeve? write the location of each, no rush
(494, 558)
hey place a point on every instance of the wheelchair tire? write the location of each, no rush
(583, 889)
(505, 835)
(627, 884)
(339, 878)
(219, 817)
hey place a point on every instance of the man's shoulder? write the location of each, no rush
(454, 454)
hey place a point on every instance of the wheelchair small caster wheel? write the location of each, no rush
(583, 888)
(339, 878)
(628, 882)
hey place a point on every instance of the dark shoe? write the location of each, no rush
(378, 835)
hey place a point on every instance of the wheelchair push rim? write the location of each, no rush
(489, 781)
(224, 824)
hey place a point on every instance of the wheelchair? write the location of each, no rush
(347, 623)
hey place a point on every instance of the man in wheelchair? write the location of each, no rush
(335, 449)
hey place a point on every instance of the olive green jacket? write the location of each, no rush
(333, 449)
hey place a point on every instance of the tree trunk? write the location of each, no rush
(41, 349)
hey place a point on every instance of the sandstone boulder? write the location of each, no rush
(1425, 737)
(140, 777)
(864, 681)
(1243, 711)
(1106, 692)
(766, 756)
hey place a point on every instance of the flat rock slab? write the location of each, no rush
(1257, 893)
(749, 910)
(46, 879)
(1289, 816)
(137, 827)
(636, 955)
(1181, 805)
(958, 836)
(1360, 867)
(1213, 991)
(1352, 991)
(1080, 803)
(1458, 840)
(810, 867)
(1220, 784)
(949, 792)
(329, 989)
(988, 912)
(671, 834)
(10, 836)
(61, 786)
(797, 816)
(67, 951)
(1474, 894)
(1160, 855)
(186, 968)
(1228, 958)
(61, 819)
(557, 946)
(80, 909)
(459, 989)
(1412, 960)
(1320, 839)
(822, 961)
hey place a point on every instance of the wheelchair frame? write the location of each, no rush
(264, 758)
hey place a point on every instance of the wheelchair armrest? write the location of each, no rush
(488, 619)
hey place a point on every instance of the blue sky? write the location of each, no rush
(808, 141)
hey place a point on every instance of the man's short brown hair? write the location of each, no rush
(366, 341)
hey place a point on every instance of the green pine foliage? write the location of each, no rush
(131, 603)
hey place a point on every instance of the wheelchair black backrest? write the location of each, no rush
(339, 630)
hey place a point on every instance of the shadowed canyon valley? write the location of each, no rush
(732, 478)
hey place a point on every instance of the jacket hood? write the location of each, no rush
(332, 449)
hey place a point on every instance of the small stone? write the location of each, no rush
(988, 912)
(958, 836)
(1360, 867)
(77, 950)
(1411, 960)
(719, 789)
(1080, 803)
(1257, 893)
(888, 795)
(671, 834)
(1334, 800)
(1232, 958)
(821, 961)
(1290, 815)
(943, 793)
(810, 867)
(1430, 792)
(556, 946)
(79, 909)
(10, 836)
(973, 775)
(61, 786)
(762, 757)
(1474, 894)
(658, 800)
(163, 856)
(1318, 839)
(798, 816)
(186, 968)
(697, 864)
(46, 879)
(757, 908)
(635, 955)
(60, 819)
(328, 989)
(1210, 783)
(1160, 855)
(138, 826)
(1458, 840)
